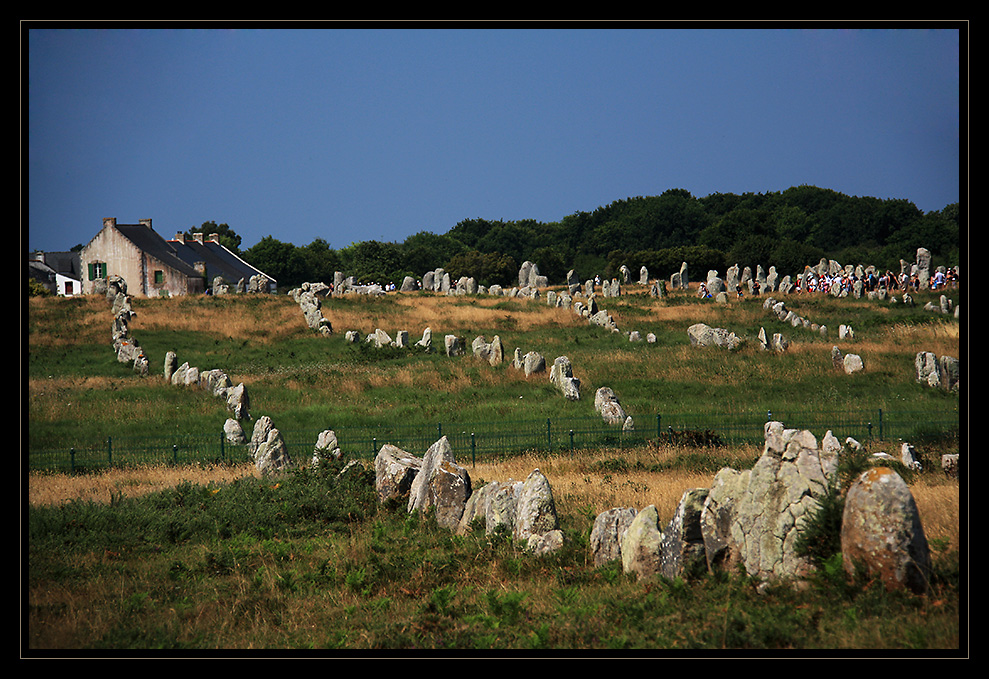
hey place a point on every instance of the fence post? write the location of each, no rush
(223, 454)
(659, 426)
(473, 450)
(571, 440)
(549, 438)
(439, 430)
(175, 454)
(109, 450)
(880, 424)
(72, 460)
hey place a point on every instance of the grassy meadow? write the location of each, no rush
(210, 556)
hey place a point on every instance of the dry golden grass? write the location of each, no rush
(462, 314)
(939, 505)
(269, 320)
(53, 489)
(47, 328)
(577, 485)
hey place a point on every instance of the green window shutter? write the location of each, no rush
(92, 271)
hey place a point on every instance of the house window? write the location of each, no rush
(97, 270)
(159, 277)
(68, 287)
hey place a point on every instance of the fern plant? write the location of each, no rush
(819, 539)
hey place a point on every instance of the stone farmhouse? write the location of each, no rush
(153, 266)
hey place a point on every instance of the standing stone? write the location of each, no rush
(533, 362)
(496, 352)
(726, 490)
(259, 435)
(171, 365)
(238, 401)
(561, 376)
(272, 455)
(544, 543)
(682, 546)
(950, 369)
(525, 272)
(441, 485)
(908, 456)
(501, 507)
(394, 472)
(454, 347)
(924, 267)
(881, 531)
(141, 365)
(641, 544)
(476, 507)
(536, 511)
(771, 502)
(380, 338)
(426, 342)
(233, 432)
(326, 447)
(607, 533)
(949, 465)
(852, 363)
(643, 275)
(606, 403)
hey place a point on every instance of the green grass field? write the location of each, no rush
(307, 562)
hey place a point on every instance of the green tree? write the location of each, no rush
(550, 264)
(790, 257)
(487, 268)
(373, 261)
(425, 251)
(321, 261)
(282, 261)
(752, 251)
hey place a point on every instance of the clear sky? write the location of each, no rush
(352, 134)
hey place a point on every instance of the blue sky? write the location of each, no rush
(355, 134)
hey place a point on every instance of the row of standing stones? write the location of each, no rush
(749, 518)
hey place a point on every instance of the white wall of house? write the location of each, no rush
(67, 286)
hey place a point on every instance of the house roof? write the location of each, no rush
(147, 240)
(183, 255)
(218, 259)
(64, 263)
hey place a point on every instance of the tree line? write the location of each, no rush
(786, 229)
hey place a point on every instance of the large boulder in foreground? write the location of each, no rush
(769, 505)
(881, 531)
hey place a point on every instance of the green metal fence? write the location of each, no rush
(491, 440)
